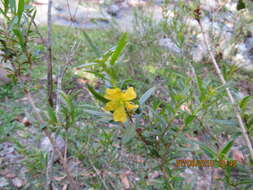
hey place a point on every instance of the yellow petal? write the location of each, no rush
(112, 93)
(110, 106)
(131, 106)
(120, 114)
(129, 94)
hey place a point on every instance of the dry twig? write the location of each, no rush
(49, 48)
(71, 180)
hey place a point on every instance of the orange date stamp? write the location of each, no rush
(206, 163)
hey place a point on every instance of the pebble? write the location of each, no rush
(17, 182)
(3, 182)
(46, 146)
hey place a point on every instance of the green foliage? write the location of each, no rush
(96, 94)
(146, 95)
(15, 33)
(240, 5)
(183, 108)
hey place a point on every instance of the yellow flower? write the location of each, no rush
(120, 102)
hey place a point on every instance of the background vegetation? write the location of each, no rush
(184, 111)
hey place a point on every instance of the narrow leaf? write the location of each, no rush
(21, 7)
(20, 37)
(121, 45)
(189, 119)
(229, 145)
(146, 95)
(52, 115)
(201, 89)
(226, 149)
(209, 152)
(244, 102)
(87, 65)
(97, 113)
(13, 5)
(96, 94)
(6, 6)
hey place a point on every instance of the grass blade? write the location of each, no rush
(21, 7)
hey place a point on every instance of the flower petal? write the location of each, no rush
(130, 106)
(112, 105)
(130, 94)
(112, 93)
(120, 114)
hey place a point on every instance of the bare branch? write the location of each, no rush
(49, 47)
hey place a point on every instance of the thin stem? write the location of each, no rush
(49, 48)
(71, 180)
(231, 98)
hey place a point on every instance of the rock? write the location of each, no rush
(47, 147)
(113, 10)
(231, 6)
(249, 43)
(41, 11)
(17, 182)
(209, 5)
(3, 182)
(4, 79)
(221, 29)
(171, 46)
(8, 153)
(10, 175)
(137, 3)
(244, 56)
(199, 52)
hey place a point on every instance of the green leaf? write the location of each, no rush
(244, 102)
(67, 100)
(97, 113)
(201, 89)
(105, 56)
(21, 7)
(240, 5)
(209, 151)
(225, 122)
(6, 6)
(146, 95)
(69, 107)
(34, 13)
(87, 65)
(226, 149)
(20, 37)
(2, 11)
(96, 94)
(189, 119)
(52, 115)
(250, 122)
(13, 5)
(120, 47)
(245, 181)
(223, 152)
(88, 106)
